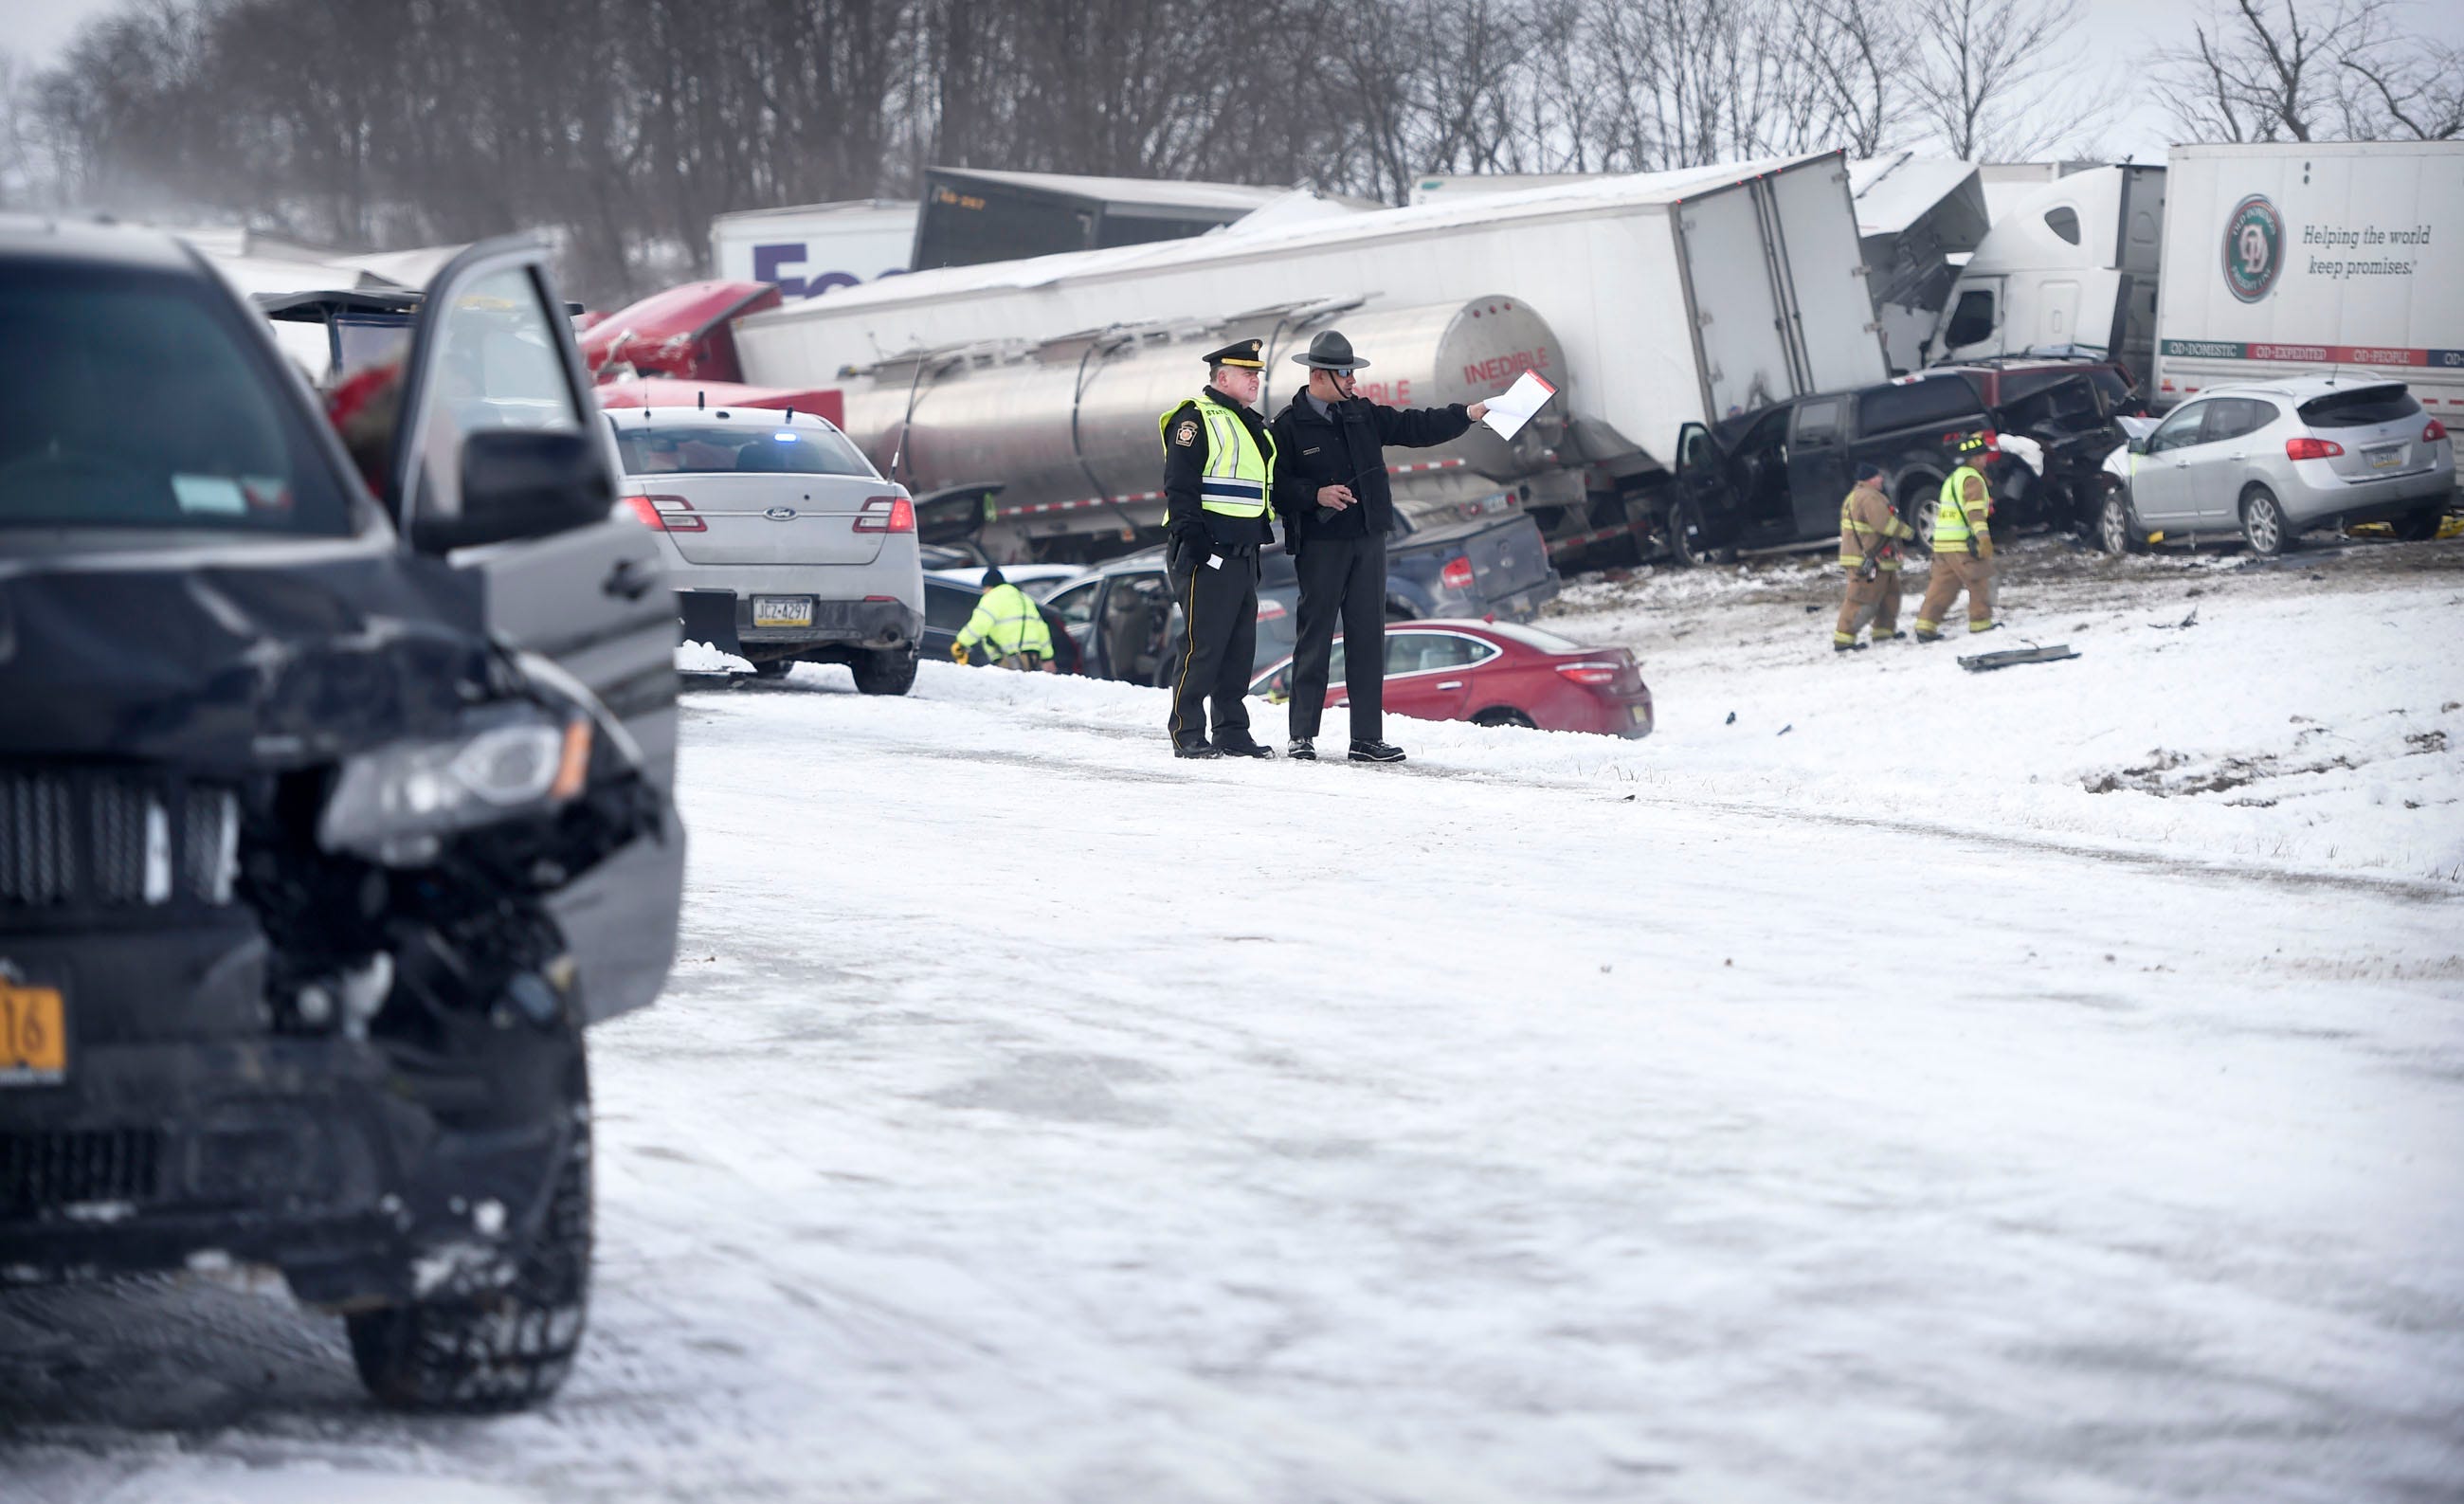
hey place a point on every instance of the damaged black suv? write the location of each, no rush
(328, 819)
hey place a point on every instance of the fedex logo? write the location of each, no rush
(770, 263)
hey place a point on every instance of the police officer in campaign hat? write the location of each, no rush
(1330, 491)
(1218, 463)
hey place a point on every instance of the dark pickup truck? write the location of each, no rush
(1122, 615)
(1775, 479)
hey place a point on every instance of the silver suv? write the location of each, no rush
(784, 544)
(2272, 459)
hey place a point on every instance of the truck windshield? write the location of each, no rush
(709, 448)
(132, 399)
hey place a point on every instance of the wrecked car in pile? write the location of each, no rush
(328, 820)
(1773, 477)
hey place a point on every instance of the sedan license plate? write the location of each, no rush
(1638, 714)
(33, 1037)
(2387, 459)
(782, 611)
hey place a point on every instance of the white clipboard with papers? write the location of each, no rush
(1512, 409)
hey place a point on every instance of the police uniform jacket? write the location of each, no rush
(1184, 465)
(1346, 448)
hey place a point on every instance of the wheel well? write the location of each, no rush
(1916, 486)
(1501, 716)
(2255, 488)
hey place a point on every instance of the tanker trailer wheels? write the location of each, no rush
(884, 671)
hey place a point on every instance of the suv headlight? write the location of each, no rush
(395, 804)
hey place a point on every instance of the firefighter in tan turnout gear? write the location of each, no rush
(1963, 546)
(1870, 534)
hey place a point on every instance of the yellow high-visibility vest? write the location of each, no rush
(1006, 621)
(1238, 473)
(1951, 529)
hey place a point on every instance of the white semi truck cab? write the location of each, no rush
(2071, 268)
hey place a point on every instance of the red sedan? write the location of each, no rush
(1495, 674)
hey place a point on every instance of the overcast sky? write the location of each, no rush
(2115, 31)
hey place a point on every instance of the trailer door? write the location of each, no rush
(1736, 310)
(1830, 298)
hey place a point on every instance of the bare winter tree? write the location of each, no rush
(2408, 88)
(2250, 76)
(624, 126)
(2312, 72)
(25, 170)
(1982, 70)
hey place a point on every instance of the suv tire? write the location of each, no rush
(1917, 507)
(2262, 523)
(2117, 531)
(1686, 545)
(492, 1351)
(884, 670)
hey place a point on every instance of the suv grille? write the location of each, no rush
(80, 838)
(43, 1171)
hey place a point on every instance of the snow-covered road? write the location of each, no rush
(1725, 1117)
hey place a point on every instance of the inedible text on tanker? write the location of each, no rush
(2374, 250)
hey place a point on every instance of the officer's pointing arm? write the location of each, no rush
(1420, 428)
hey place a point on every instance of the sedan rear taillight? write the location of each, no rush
(1268, 610)
(2435, 433)
(886, 514)
(667, 514)
(1457, 574)
(1593, 672)
(2307, 448)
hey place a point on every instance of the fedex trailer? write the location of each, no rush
(2308, 256)
(812, 249)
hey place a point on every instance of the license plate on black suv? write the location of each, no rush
(33, 1035)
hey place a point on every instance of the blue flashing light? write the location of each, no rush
(785, 438)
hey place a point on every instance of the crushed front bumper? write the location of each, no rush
(187, 1133)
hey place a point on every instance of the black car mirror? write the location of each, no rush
(2138, 445)
(521, 483)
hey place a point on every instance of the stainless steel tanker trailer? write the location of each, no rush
(1654, 301)
(1053, 450)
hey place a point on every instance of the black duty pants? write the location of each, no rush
(1218, 605)
(1343, 582)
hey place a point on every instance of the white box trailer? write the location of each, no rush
(2305, 257)
(812, 249)
(1678, 297)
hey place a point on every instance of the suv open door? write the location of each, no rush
(500, 467)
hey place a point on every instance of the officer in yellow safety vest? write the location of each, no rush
(1963, 544)
(1869, 550)
(1010, 625)
(1218, 468)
